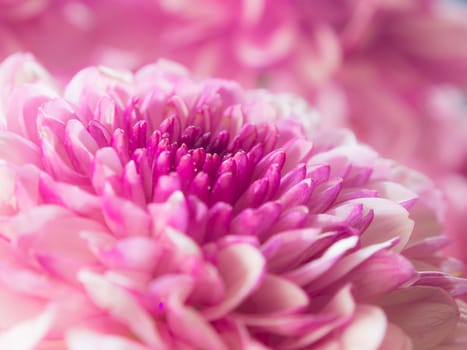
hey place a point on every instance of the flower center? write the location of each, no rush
(210, 154)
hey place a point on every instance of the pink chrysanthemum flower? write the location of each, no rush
(390, 70)
(151, 211)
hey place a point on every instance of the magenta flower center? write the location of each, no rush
(208, 163)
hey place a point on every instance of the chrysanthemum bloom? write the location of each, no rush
(390, 70)
(151, 211)
(387, 69)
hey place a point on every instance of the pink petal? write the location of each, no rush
(292, 178)
(396, 339)
(180, 243)
(106, 168)
(26, 335)
(426, 247)
(395, 192)
(81, 146)
(236, 336)
(135, 253)
(427, 314)
(218, 219)
(85, 339)
(171, 289)
(70, 196)
(22, 109)
(297, 151)
(19, 69)
(241, 267)
(51, 235)
(17, 308)
(324, 196)
(366, 330)
(380, 274)
(389, 220)
(133, 185)
(254, 195)
(351, 261)
(190, 326)
(297, 195)
(18, 150)
(308, 329)
(275, 295)
(288, 248)
(256, 221)
(29, 282)
(310, 271)
(26, 188)
(318, 173)
(456, 286)
(173, 212)
(290, 219)
(123, 217)
(121, 306)
(55, 160)
(105, 82)
(7, 195)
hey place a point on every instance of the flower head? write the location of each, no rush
(153, 211)
(389, 70)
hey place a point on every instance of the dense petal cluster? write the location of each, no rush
(152, 211)
(390, 70)
(337, 54)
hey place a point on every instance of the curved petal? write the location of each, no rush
(190, 326)
(27, 334)
(17, 308)
(307, 273)
(135, 253)
(122, 306)
(275, 295)
(287, 248)
(52, 236)
(17, 150)
(85, 339)
(106, 170)
(389, 220)
(367, 320)
(395, 339)
(8, 203)
(123, 217)
(427, 314)
(87, 88)
(241, 267)
(80, 145)
(70, 196)
(349, 262)
(380, 274)
(308, 329)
